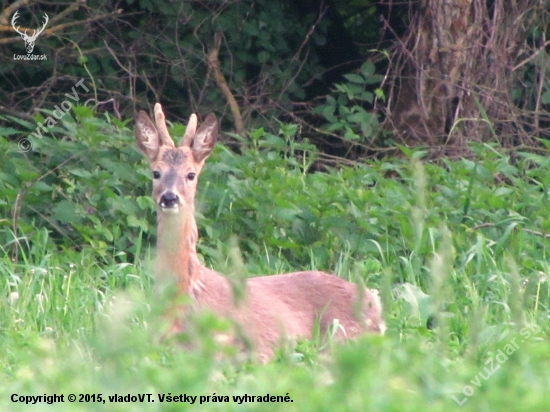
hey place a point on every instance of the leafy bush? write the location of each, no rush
(83, 181)
(345, 110)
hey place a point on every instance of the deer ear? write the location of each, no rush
(205, 138)
(147, 137)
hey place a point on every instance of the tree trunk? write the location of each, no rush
(453, 74)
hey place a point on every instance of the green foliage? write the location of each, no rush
(458, 246)
(82, 180)
(344, 108)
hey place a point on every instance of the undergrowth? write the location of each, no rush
(458, 250)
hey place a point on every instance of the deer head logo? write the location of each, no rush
(29, 40)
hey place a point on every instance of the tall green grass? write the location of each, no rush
(458, 246)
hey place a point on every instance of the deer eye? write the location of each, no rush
(190, 176)
(156, 174)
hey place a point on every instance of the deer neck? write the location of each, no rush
(177, 261)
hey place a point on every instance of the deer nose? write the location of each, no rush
(169, 200)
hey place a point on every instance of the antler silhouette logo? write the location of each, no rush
(29, 40)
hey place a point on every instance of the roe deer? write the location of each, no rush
(274, 307)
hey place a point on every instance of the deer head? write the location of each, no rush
(29, 40)
(175, 169)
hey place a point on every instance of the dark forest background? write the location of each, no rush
(360, 77)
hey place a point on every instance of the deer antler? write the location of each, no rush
(14, 18)
(25, 35)
(46, 20)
